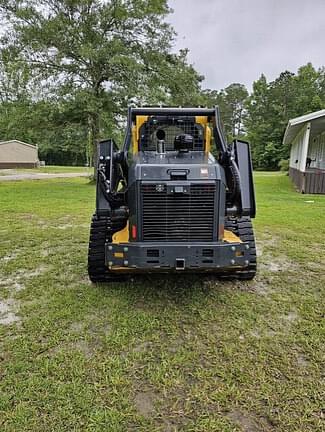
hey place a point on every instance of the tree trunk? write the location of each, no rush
(94, 139)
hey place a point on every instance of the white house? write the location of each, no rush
(306, 136)
(18, 154)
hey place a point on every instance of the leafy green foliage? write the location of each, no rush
(57, 128)
(262, 116)
(231, 102)
(271, 105)
(284, 165)
(69, 69)
(100, 55)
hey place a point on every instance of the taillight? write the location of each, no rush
(134, 232)
(221, 231)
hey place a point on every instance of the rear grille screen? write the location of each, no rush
(178, 217)
(172, 127)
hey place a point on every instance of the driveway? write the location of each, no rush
(40, 176)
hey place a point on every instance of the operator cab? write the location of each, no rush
(171, 134)
(164, 133)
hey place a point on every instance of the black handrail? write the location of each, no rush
(170, 111)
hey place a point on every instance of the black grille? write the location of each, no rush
(178, 217)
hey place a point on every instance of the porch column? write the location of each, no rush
(304, 148)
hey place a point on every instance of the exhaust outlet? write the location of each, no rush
(161, 135)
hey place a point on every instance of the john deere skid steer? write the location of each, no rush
(164, 203)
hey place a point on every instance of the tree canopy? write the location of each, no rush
(99, 55)
(70, 68)
(271, 105)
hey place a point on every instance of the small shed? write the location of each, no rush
(18, 154)
(306, 136)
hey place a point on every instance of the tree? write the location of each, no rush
(231, 102)
(108, 50)
(271, 105)
(308, 92)
(234, 97)
(282, 107)
(257, 119)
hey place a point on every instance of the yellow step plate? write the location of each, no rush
(122, 236)
(230, 237)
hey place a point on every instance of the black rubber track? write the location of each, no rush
(100, 233)
(243, 228)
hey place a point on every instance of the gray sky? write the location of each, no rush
(237, 40)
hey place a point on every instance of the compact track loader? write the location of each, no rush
(176, 197)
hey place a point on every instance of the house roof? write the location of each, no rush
(317, 119)
(17, 141)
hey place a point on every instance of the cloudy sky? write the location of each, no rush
(237, 40)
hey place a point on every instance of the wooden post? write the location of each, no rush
(304, 149)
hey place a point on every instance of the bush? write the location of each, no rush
(269, 159)
(284, 165)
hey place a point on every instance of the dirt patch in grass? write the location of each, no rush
(8, 312)
(12, 284)
(145, 402)
(33, 219)
(27, 216)
(27, 274)
(94, 328)
(260, 285)
(315, 266)
(175, 345)
(16, 283)
(77, 327)
(83, 347)
(302, 360)
(248, 422)
(142, 347)
(64, 226)
(69, 226)
(290, 317)
(9, 257)
(68, 347)
(277, 264)
(48, 249)
(98, 325)
(263, 244)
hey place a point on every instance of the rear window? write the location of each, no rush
(172, 127)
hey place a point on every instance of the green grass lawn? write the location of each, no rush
(158, 354)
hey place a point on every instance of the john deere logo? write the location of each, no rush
(160, 188)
